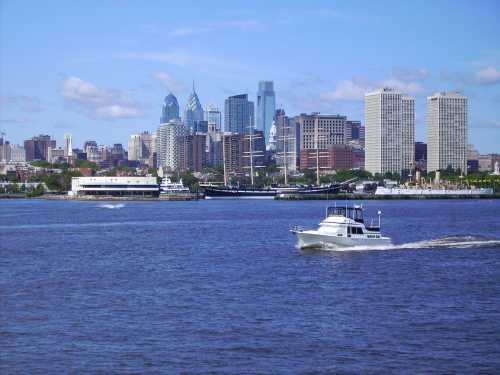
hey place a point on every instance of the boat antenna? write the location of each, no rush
(379, 213)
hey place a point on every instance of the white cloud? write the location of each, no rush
(355, 89)
(97, 102)
(489, 75)
(169, 82)
(346, 90)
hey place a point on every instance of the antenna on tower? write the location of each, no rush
(193, 86)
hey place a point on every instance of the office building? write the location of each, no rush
(213, 117)
(486, 163)
(17, 153)
(37, 148)
(192, 152)
(352, 129)
(68, 146)
(447, 132)
(266, 106)
(170, 109)
(335, 157)
(118, 155)
(5, 150)
(92, 151)
(390, 132)
(238, 114)
(200, 126)
(232, 153)
(57, 155)
(321, 131)
(193, 112)
(141, 148)
(167, 145)
(214, 149)
(421, 156)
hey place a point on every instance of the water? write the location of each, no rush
(219, 287)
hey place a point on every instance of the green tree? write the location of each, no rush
(36, 192)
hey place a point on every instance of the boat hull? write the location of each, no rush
(239, 193)
(312, 239)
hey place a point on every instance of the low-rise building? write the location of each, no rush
(128, 186)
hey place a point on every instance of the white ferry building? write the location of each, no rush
(129, 186)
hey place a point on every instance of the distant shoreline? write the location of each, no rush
(194, 196)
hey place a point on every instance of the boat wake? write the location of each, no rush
(111, 206)
(452, 242)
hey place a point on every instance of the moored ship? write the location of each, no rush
(269, 192)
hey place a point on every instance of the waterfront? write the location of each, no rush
(218, 286)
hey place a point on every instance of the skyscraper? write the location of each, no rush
(193, 111)
(134, 147)
(168, 145)
(214, 118)
(5, 150)
(238, 114)
(141, 147)
(192, 152)
(319, 132)
(266, 107)
(390, 131)
(68, 145)
(37, 148)
(170, 109)
(447, 131)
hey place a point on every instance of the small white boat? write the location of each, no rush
(169, 187)
(343, 228)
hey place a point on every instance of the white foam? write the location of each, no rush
(111, 206)
(445, 242)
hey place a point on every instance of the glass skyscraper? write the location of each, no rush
(193, 111)
(170, 109)
(266, 106)
(238, 114)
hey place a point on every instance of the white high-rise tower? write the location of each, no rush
(389, 131)
(168, 144)
(447, 131)
(68, 146)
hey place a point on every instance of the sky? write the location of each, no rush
(100, 69)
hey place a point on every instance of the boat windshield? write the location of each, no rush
(354, 213)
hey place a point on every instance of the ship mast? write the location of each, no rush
(318, 155)
(251, 153)
(224, 159)
(285, 137)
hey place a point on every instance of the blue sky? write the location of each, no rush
(100, 69)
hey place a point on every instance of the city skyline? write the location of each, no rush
(108, 88)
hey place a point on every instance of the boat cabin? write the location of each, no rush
(355, 213)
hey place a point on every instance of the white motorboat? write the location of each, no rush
(343, 228)
(169, 187)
